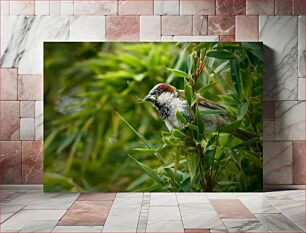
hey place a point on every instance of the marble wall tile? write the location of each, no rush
(283, 7)
(277, 163)
(135, 7)
(203, 7)
(95, 7)
(290, 120)
(150, 28)
(8, 87)
(200, 25)
(27, 109)
(227, 38)
(22, 40)
(122, 28)
(30, 87)
(42, 7)
(195, 38)
(55, 7)
(301, 89)
(260, 7)
(166, 7)
(298, 7)
(39, 120)
(176, 25)
(66, 7)
(230, 7)
(279, 34)
(32, 162)
(27, 129)
(221, 25)
(10, 162)
(301, 47)
(268, 130)
(5, 7)
(246, 28)
(9, 120)
(87, 28)
(298, 162)
(22, 7)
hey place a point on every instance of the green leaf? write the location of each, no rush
(199, 121)
(178, 73)
(149, 171)
(211, 111)
(193, 127)
(221, 54)
(179, 134)
(180, 117)
(135, 131)
(242, 110)
(145, 150)
(189, 64)
(188, 92)
(235, 75)
(231, 127)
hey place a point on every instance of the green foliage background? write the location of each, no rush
(87, 145)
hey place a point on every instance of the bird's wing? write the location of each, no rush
(205, 102)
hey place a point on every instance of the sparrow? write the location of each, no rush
(167, 100)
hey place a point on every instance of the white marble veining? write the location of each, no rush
(66, 7)
(279, 34)
(278, 223)
(268, 130)
(277, 163)
(87, 28)
(186, 198)
(39, 226)
(163, 199)
(42, 7)
(290, 120)
(301, 88)
(168, 213)
(257, 205)
(23, 217)
(46, 201)
(165, 226)
(39, 120)
(124, 214)
(166, 7)
(27, 130)
(5, 7)
(301, 46)
(242, 225)
(22, 40)
(8, 210)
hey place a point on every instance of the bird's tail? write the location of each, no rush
(244, 134)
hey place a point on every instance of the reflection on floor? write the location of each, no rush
(35, 211)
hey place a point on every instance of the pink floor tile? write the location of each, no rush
(86, 213)
(232, 209)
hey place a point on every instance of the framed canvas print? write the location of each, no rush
(153, 117)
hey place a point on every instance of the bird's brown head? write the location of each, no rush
(158, 90)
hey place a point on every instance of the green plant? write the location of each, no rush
(213, 161)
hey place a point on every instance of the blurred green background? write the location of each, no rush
(86, 144)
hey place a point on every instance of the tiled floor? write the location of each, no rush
(35, 211)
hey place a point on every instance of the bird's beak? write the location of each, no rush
(150, 98)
